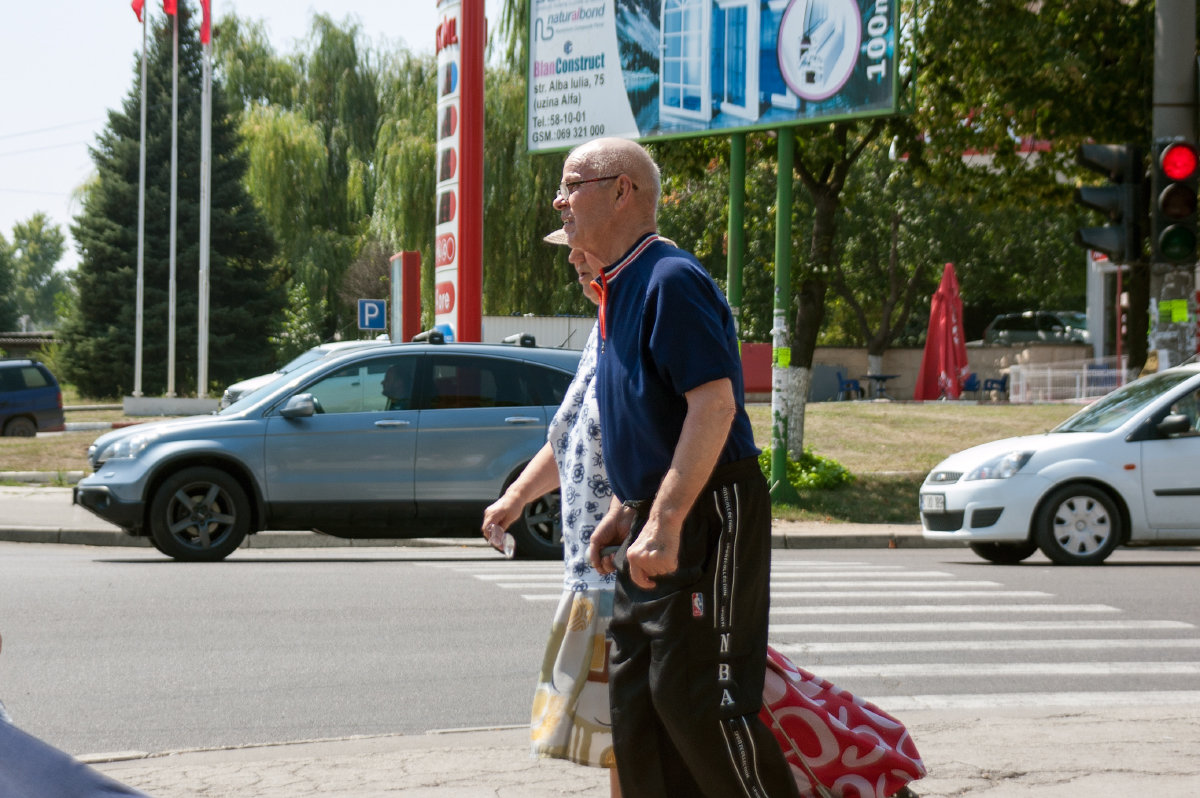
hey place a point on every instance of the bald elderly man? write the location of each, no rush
(691, 508)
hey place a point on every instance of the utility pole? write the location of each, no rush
(1172, 335)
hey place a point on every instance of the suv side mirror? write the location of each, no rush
(299, 406)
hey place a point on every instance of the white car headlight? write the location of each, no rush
(128, 447)
(1001, 467)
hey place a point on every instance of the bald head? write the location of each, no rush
(610, 196)
(613, 156)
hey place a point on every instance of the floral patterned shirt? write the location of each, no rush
(574, 434)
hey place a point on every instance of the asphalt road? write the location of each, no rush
(119, 649)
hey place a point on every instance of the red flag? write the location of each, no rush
(169, 6)
(137, 5)
(206, 24)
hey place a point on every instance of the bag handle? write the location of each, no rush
(822, 790)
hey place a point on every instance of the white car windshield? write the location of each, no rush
(303, 358)
(1113, 410)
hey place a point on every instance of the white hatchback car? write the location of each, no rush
(1124, 470)
(239, 389)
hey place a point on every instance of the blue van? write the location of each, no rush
(30, 399)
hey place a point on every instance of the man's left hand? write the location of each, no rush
(654, 554)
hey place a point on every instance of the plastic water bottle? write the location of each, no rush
(501, 541)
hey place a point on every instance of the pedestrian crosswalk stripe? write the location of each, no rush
(778, 563)
(989, 594)
(971, 626)
(1108, 698)
(938, 670)
(791, 565)
(897, 646)
(858, 574)
(863, 583)
(927, 609)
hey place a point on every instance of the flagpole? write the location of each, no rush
(174, 192)
(141, 255)
(205, 216)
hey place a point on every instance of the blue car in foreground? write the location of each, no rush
(394, 441)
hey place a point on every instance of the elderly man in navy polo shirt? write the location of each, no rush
(690, 510)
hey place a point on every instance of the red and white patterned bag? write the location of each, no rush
(838, 745)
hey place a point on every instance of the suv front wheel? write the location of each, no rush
(200, 514)
(538, 532)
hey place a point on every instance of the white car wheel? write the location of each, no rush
(1078, 525)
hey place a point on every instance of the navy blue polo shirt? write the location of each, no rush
(667, 329)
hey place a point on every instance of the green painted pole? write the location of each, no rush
(736, 238)
(781, 353)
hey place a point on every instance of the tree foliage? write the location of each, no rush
(37, 246)
(8, 300)
(309, 124)
(99, 340)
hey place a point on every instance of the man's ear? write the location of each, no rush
(624, 190)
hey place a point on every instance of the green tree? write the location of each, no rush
(98, 342)
(405, 162)
(301, 323)
(995, 78)
(8, 299)
(36, 248)
(521, 273)
(309, 124)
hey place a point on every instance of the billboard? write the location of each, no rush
(652, 68)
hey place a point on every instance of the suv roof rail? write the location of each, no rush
(521, 339)
(430, 337)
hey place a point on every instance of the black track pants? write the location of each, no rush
(688, 657)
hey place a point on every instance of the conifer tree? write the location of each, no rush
(245, 299)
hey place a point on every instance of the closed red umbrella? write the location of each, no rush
(944, 364)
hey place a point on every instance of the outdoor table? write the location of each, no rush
(879, 384)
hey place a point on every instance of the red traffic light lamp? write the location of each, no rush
(1176, 167)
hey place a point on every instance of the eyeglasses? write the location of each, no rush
(565, 189)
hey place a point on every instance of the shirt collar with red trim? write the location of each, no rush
(612, 272)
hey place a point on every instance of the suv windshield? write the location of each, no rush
(1116, 408)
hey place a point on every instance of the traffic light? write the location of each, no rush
(1173, 210)
(1122, 200)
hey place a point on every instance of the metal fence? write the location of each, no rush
(1068, 380)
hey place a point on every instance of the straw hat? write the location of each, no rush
(559, 236)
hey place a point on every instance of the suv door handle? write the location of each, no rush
(391, 423)
(522, 420)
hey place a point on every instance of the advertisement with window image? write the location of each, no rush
(649, 68)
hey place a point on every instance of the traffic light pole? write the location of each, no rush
(1172, 335)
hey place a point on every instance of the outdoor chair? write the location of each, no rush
(1000, 385)
(848, 386)
(971, 384)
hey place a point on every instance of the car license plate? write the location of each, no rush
(933, 502)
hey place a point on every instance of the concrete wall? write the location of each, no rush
(991, 361)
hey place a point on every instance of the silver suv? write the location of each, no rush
(402, 440)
